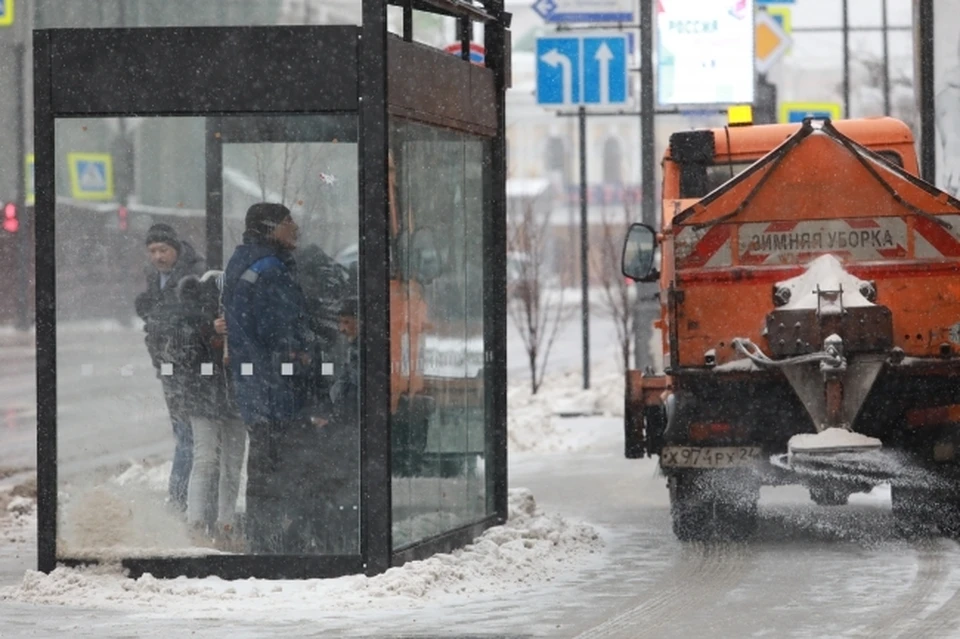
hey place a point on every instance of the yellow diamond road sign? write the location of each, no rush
(771, 41)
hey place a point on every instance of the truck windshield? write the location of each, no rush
(718, 174)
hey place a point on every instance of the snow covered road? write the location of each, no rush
(811, 572)
(612, 568)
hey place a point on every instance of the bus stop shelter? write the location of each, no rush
(391, 156)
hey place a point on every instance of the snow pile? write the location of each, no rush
(535, 423)
(152, 478)
(127, 515)
(828, 273)
(19, 523)
(531, 547)
(832, 438)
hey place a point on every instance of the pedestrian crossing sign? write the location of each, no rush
(6, 13)
(91, 176)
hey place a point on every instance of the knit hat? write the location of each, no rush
(349, 307)
(163, 233)
(263, 217)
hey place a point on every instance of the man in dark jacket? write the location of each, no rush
(339, 445)
(171, 259)
(269, 344)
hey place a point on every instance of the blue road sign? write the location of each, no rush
(562, 11)
(582, 70)
(795, 117)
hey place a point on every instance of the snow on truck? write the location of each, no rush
(810, 312)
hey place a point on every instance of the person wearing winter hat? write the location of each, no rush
(171, 260)
(266, 318)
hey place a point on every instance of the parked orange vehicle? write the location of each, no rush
(810, 311)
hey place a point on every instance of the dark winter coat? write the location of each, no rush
(325, 283)
(339, 439)
(266, 327)
(207, 391)
(161, 312)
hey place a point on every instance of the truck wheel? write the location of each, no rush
(914, 511)
(826, 496)
(692, 516)
(655, 421)
(736, 521)
(724, 513)
(634, 446)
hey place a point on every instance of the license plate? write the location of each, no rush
(714, 457)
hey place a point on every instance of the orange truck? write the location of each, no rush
(810, 313)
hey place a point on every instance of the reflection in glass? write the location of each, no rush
(437, 310)
(153, 453)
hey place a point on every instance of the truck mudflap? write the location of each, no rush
(644, 419)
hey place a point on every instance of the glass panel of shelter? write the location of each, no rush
(438, 426)
(129, 389)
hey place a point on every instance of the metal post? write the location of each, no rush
(46, 303)
(584, 248)
(648, 151)
(924, 55)
(20, 147)
(377, 507)
(766, 99)
(465, 37)
(647, 114)
(496, 42)
(408, 20)
(886, 57)
(846, 59)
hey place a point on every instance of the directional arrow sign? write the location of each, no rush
(558, 71)
(557, 11)
(555, 59)
(603, 56)
(604, 70)
(582, 69)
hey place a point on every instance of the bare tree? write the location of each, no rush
(618, 297)
(867, 84)
(536, 311)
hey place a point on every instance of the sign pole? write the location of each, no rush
(584, 247)
(923, 47)
(647, 161)
(846, 59)
(886, 57)
(25, 231)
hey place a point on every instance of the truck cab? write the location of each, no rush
(807, 286)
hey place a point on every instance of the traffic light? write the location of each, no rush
(122, 218)
(11, 223)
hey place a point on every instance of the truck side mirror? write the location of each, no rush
(638, 254)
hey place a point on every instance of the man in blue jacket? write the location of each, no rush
(268, 349)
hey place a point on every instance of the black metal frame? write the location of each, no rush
(125, 73)
(926, 98)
